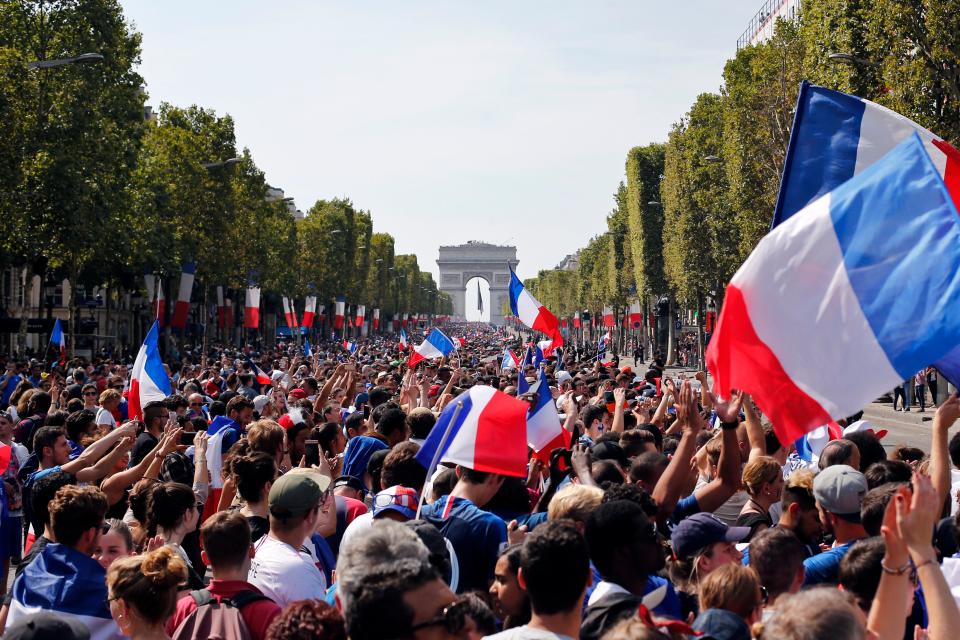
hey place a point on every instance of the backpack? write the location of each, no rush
(217, 620)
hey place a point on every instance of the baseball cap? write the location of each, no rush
(403, 500)
(839, 489)
(294, 494)
(702, 530)
(260, 402)
(865, 425)
(352, 482)
(362, 398)
(47, 626)
(298, 393)
(564, 376)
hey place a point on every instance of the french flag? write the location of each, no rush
(636, 314)
(307, 349)
(221, 309)
(602, 345)
(576, 320)
(403, 340)
(182, 309)
(537, 354)
(309, 311)
(260, 374)
(547, 348)
(531, 312)
(339, 311)
(510, 360)
(58, 342)
(350, 346)
(286, 312)
(376, 319)
(436, 345)
(608, 316)
(836, 136)
(482, 429)
(873, 266)
(361, 312)
(251, 307)
(148, 379)
(544, 431)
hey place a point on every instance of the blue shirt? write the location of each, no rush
(685, 507)
(477, 537)
(8, 391)
(669, 606)
(824, 568)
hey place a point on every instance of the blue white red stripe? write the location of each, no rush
(403, 340)
(846, 299)
(489, 433)
(259, 374)
(182, 309)
(148, 379)
(530, 312)
(309, 311)
(58, 341)
(251, 307)
(339, 310)
(543, 422)
(436, 345)
(510, 360)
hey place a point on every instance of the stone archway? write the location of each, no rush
(458, 264)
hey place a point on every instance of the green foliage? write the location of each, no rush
(644, 168)
(553, 288)
(620, 272)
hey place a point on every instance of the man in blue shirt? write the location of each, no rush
(8, 383)
(839, 490)
(477, 536)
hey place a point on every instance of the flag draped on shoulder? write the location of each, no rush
(847, 286)
(530, 312)
(148, 379)
(488, 434)
(436, 345)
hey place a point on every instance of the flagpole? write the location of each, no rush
(436, 456)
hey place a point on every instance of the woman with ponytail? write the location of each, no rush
(143, 592)
(253, 475)
(171, 515)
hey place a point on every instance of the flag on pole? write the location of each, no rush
(339, 312)
(602, 345)
(260, 374)
(436, 345)
(376, 319)
(510, 360)
(286, 312)
(544, 430)
(148, 379)
(537, 354)
(527, 358)
(309, 311)
(855, 268)
(58, 342)
(350, 346)
(636, 314)
(251, 307)
(531, 312)
(608, 316)
(403, 340)
(221, 309)
(182, 309)
(361, 312)
(489, 434)
(307, 350)
(479, 298)
(576, 320)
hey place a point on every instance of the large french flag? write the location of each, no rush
(339, 310)
(258, 373)
(489, 433)
(847, 298)
(251, 307)
(71, 585)
(836, 136)
(543, 422)
(148, 379)
(182, 309)
(531, 312)
(309, 311)
(436, 345)
(58, 342)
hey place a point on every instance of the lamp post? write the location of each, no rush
(83, 58)
(212, 168)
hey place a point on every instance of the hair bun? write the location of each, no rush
(164, 568)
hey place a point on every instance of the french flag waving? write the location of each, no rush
(182, 309)
(874, 266)
(436, 345)
(148, 379)
(260, 374)
(544, 430)
(482, 429)
(403, 340)
(510, 360)
(58, 342)
(531, 312)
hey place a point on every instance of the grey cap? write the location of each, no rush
(839, 489)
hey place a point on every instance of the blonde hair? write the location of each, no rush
(574, 502)
(109, 395)
(733, 587)
(802, 478)
(148, 583)
(266, 436)
(761, 470)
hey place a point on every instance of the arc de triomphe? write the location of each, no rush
(458, 264)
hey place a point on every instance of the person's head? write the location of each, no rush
(240, 409)
(763, 478)
(594, 418)
(371, 475)
(392, 425)
(331, 439)
(511, 598)
(874, 505)
(6, 425)
(171, 508)
(253, 475)
(735, 588)
(295, 501)
(226, 543)
(378, 396)
(484, 485)
(267, 436)
(575, 502)
(646, 469)
(420, 421)
(839, 491)
(81, 425)
(44, 489)
(143, 589)
(76, 517)
(554, 567)
(89, 394)
(110, 399)
(701, 544)
(51, 446)
(115, 542)
(908, 454)
(307, 620)
(777, 555)
(637, 441)
(799, 507)
(820, 612)
(400, 467)
(860, 572)
(155, 416)
(870, 448)
(616, 555)
(840, 451)
(355, 424)
(884, 471)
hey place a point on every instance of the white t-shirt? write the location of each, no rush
(527, 633)
(954, 488)
(285, 574)
(360, 524)
(105, 417)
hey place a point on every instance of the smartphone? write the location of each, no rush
(187, 437)
(366, 411)
(608, 397)
(312, 451)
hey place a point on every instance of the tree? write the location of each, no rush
(380, 280)
(620, 272)
(644, 169)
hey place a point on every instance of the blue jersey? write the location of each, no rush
(477, 537)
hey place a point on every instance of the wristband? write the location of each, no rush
(729, 425)
(924, 563)
(899, 571)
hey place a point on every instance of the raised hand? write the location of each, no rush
(728, 410)
(687, 413)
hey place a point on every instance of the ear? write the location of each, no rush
(458, 471)
(521, 579)
(793, 509)
(252, 552)
(205, 557)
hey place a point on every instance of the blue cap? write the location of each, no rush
(701, 530)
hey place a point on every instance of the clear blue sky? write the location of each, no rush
(494, 120)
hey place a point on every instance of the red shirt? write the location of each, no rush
(354, 508)
(258, 615)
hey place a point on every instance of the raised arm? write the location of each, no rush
(886, 618)
(619, 397)
(667, 491)
(115, 485)
(755, 435)
(92, 454)
(711, 496)
(106, 463)
(946, 415)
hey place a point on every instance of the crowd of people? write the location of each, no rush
(297, 508)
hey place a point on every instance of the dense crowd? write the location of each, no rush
(289, 510)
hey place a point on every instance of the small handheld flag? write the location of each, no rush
(262, 377)
(436, 345)
(307, 350)
(58, 342)
(148, 379)
(403, 340)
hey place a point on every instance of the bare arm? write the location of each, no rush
(115, 485)
(728, 480)
(106, 463)
(619, 397)
(706, 398)
(667, 491)
(327, 389)
(755, 435)
(886, 612)
(946, 415)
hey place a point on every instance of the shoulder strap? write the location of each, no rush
(201, 597)
(243, 598)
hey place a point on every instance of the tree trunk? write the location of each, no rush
(671, 357)
(24, 311)
(701, 360)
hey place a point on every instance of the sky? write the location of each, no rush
(501, 121)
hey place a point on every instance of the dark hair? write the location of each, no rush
(238, 404)
(39, 403)
(59, 418)
(771, 439)
(42, 492)
(375, 466)
(874, 505)
(421, 423)
(776, 554)
(556, 567)
(907, 453)
(655, 431)
(605, 532)
(836, 452)
(444, 482)
(473, 477)
(647, 467)
(77, 423)
(307, 620)
(75, 510)
(860, 569)
(167, 502)
(226, 539)
(391, 421)
(590, 413)
(511, 500)
(46, 437)
(377, 609)
(479, 611)
(954, 448)
(607, 472)
(326, 435)
(379, 395)
(153, 411)
(400, 467)
(251, 473)
(871, 450)
(884, 471)
(634, 441)
(217, 408)
(354, 421)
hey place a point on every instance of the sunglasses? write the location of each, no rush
(196, 404)
(90, 393)
(453, 618)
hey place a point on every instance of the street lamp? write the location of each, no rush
(653, 203)
(229, 162)
(83, 58)
(712, 159)
(334, 232)
(849, 58)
